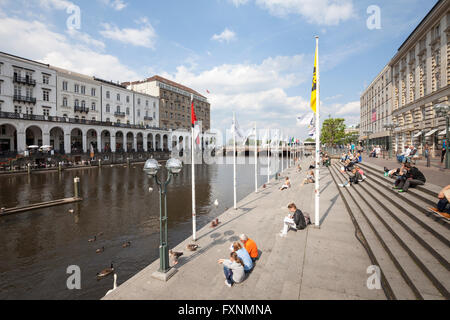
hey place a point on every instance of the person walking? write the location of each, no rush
(444, 150)
(427, 154)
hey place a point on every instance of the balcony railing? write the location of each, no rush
(20, 98)
(81, 109)
(148, 118)
(119, 114)
(25, 80)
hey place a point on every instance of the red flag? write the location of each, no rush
(207, 91)
(193, 116)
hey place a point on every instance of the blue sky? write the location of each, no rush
(254, 56)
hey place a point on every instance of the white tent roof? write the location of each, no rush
(431, 132)
(417, 134)
(442, 133)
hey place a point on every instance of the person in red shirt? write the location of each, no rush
(250, 246)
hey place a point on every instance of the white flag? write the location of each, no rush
(236, 129)
(306, 119)
(312, 132)
(275, 139)
(249, 134)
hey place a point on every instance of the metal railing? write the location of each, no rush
(25, 80)
(24, 99)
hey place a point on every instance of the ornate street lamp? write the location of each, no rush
(390, 127)
(443, 110)
(151, 168)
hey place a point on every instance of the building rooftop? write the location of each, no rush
(166, 81)
(24, 59)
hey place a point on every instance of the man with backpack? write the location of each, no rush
(413, 177)
(295, 220)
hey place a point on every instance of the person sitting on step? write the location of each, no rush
(250, 246)
(309, 178)
(413, 177)
(286, 185)
(405, 154)
(355, 178)
(295, 220)
(443, 205)
(243, 255)
(233, 269)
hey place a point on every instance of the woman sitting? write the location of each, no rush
(286, 185)
(309, 178)
(233, 269)
(243, 255)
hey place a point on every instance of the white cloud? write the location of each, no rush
(226, 36)
(143, 37)
(86, 39)
(350, 108)
(18, 36)
(322, 12)
(55, 4)
(257, 92)
(116, 4)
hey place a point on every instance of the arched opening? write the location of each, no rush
(174, 142)
(57, 139)
(158, 142)
(165, 143)
(119, 142)
(130, 140)
(8, 139)
(76, 141)
(33, 136)
(150, 142)
(92, 140)
(140, 142)
(106, 141)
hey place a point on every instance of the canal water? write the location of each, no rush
(37, 247)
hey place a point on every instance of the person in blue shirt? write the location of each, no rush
(444, 150)
(243, 255)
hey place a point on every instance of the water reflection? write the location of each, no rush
(38, 246)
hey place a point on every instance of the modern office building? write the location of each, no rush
(174, 102)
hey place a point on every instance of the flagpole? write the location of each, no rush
(234, 159)
(256, 161)
(282, 154)
(317, 185)
(194, 228)
(268, 156)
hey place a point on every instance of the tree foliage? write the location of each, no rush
(333, 131)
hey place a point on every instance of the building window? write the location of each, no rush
(83, 90)
(17, 109)
(45, 79)
(65, 115)
(118, 109)
(65, 84)
(64, 102)
(139, 101)
(93, 106)
(46, 95)
(1, 102)
(128, 99)
(17, 90)
(77, 88)
(1, 65)
(154, 104)
(128, 111)
(83, 104)
(93, 92)
(108, 95)
(146, 103)
(118, 97)
(107, 120)
(118, 120)
(46, 112)
(0, 87)
(77, 103)
(139, 113)
(154, 115)
(108, 109)
(30, 110)
(94, 119)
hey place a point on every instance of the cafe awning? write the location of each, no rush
(417, 134)
(442, 133)
(431, 132)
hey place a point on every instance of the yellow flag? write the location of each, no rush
(314, 85)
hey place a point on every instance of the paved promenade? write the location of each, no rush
(325, 263)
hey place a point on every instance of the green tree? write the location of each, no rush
(333, 131)
(310, 140)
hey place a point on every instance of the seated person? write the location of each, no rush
(295, 220)
(355, 178)
(309, 178)
(243, 255)
(406, 153)
(361, 172)
(286, 185)
(250, 246)
(233, 269)
(373, 153)
(443, 205)
(299, 168)
(412, 177)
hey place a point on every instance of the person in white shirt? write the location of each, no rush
(404, 155)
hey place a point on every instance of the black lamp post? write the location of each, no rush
(151, 168)
(443, 110)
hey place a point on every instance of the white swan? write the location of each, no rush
(114, 285)
(216, 203)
